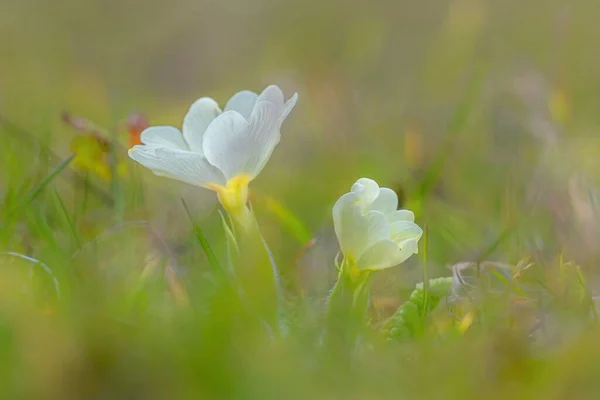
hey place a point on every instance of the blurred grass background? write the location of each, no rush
(482, 114)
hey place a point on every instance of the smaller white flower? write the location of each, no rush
(219, 150)
(372, 232)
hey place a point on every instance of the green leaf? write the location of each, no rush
(409, 319)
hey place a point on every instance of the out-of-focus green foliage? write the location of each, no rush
(408, 321)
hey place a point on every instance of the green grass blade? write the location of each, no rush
(210, 254)
(36, 263)
(73, 177)
(33, 193)
(69, 221)
(425, 265)
(49, 178)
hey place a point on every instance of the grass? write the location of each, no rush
(124, 312)
(481, 115)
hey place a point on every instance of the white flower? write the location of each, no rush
(218, 150)
(372, 233)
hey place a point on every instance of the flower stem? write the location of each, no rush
(255, 271)
(347, 306)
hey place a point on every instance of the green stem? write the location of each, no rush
(347, 306)
(255, 270)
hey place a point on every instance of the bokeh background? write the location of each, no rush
(482, 114)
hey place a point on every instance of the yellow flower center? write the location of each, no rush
(350, 268)
(234, 195)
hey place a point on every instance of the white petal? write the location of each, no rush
(263, 136)
(225, 142)
(343, 206)
(163, 136)
(381, 255)
(236, 147)
(407, 249)
(273, 95)
(367, 190)
(387, 253)
(410, 247)
(386, 201)
(197, 119)
(182, 165)
(357, 231)
(242, 102)
(404, 230)
(402, 215)
(288, 107)
(377, 227)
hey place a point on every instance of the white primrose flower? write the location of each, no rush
(372, 232)
(218, 150)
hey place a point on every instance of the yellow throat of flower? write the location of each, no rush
(234, 195)
(350, 269)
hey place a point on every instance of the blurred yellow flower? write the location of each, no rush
(93, 151)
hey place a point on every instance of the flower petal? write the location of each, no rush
(407, 249)
(381, 255)
(163, 136)
(197, 119)
(386, 201)
(225, 144)
(185, 166)
(367, 190)
(263, 136)
(402, 215)
(288, 107)
(242, 102)
(273, 95)
(386, 254)
(403, 230)
(357, 231)
(237, 147)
